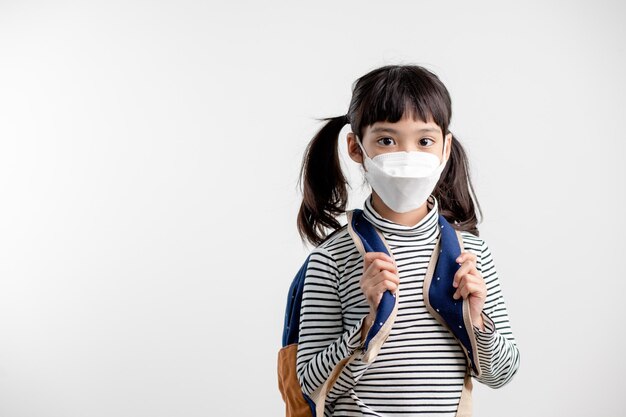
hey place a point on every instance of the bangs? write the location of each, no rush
(402, 91)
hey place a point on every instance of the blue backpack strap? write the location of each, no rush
(291, 326)
(438, 291)
(368, 239)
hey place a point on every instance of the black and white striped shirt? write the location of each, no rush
(420, 368)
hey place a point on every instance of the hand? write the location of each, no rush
(380, 274)
(470, 283)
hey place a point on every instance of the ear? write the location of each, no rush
(354, 150)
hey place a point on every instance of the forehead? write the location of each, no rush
(406, 125)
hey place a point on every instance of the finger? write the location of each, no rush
(465, 255)
(369, 281)
(471, 276)
(468, 287)
(385, 285)
(386, 276)
(462, 291)
(462, 286)
(478, 284)
(378, 265)
(369, 257)
(471, 289)
(376, 268)
(468, 267)
(377, 291)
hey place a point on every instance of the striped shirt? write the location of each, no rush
(420, 367)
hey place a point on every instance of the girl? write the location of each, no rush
(399, 115)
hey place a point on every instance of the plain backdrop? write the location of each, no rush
(149, 158)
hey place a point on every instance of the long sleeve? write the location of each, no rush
(498, 354)
(323, 339)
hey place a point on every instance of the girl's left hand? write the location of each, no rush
(470, 283)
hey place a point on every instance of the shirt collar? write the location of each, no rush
(426, 228)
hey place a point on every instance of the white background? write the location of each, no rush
(149, 157)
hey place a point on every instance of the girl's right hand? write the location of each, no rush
(380, 274)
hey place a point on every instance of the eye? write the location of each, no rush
(386, 141)
(425, 139)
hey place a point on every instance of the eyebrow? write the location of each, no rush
(391, 130)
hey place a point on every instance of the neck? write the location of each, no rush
(410, 218)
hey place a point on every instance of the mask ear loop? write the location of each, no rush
(443, 156)
(358, 140)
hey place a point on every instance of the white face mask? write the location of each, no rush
(403, 180)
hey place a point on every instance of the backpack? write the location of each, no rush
(453, 314)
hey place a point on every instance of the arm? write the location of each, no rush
(497, 350)
(323, 341)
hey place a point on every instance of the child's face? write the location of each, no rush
(404, 135)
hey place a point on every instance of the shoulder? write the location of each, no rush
(471, 242)
(324, 264)
(335, 241)
(328, 248)
(338, 251)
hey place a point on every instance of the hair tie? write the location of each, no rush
(346, 119)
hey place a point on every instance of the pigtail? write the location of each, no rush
(455, 192)
(324, 195)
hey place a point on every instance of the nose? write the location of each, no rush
(409, 147)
